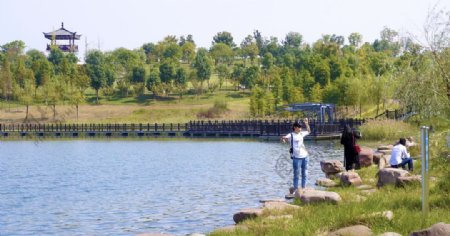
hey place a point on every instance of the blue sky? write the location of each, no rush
(110, 24)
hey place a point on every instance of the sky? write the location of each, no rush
(111, 24)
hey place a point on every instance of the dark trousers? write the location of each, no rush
(405, 161)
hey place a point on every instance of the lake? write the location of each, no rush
(126, 187)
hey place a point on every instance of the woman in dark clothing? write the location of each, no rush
(348, 139)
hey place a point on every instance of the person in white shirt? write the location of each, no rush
(400, 156)
(299, 155)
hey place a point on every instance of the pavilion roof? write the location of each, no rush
(62, 34)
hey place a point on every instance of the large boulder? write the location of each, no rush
(384, 162)
(409, 180)
(439, 229)
(247, 213)
(316, 196)
(357, 230)
(390, 176)
(366, 157)
(351, 178)
(376, 157)
(331, 166)
(279, 206)
(385, 147)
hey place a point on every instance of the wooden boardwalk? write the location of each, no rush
(212, 129)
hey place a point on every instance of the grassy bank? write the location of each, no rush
(356, 206)
(142, 109)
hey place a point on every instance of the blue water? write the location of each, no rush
(120, 187)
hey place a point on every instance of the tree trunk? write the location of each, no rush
(54, 112)
(26, 114)
(96, 91)
(77, 110)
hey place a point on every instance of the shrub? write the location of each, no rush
(216, 111)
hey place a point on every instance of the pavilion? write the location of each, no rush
(59, 37)
(321, 111)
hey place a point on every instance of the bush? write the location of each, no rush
(216, 111)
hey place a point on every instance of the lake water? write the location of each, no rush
(126, 187)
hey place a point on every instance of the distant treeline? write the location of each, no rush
(333, 69)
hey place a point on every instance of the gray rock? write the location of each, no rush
(331, 166)
(385, 147)
(376, 157)
(272, 200)
(248, 213)
(315, 196)
(439, 229)
(351, 178)
(408, 180)
(357, 230)
(390, 176)
(279, 206)
(366, 157)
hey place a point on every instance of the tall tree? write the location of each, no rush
(6, 79)
(355, 39)
(95, 68)
(203, 65)
(225, 38)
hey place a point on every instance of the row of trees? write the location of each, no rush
(333, 69)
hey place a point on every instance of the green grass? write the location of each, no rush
(389, 130)
(312, 219)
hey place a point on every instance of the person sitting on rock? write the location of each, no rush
(400, 156)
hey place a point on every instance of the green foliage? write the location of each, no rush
(203, 65)
(262, 102)
(225, 38)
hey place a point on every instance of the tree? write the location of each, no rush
(250, 76)
(223, 72)
(221, 53)
(355, 39)
(95, 68)
(24, 91)
(13, 50)
(203, 65)
(225, 38)
(316, 93)
(261, 102)
(260, 42)
(138, 78)
(80, 83)
(249, 48)
(54, 91)
(181, 80)
(188, 52)
(293, 40)
(153, 83)
(56, 57)
(6, 79)
(437, 36)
